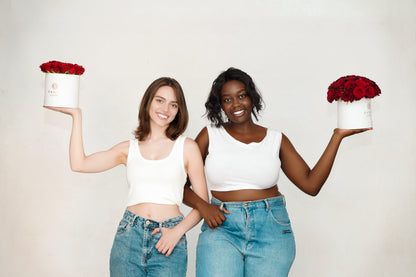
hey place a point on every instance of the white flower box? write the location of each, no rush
(354, 115)
(61, 90)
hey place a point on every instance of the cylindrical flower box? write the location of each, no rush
(61, 90)
(354, 115)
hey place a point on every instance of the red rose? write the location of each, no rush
(349, 85)
(330, 96)
(359, 92)
(361, 82)
(347, 96)
(55, 66)
(46, 67)
(72, 70)
(64, 67)
(370, 92)
(79, 70)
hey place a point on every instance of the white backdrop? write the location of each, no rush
(59, 223)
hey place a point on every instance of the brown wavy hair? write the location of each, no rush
(178, 125)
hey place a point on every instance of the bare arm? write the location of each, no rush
(211, 213)
(309, 180)
(195, 169)
(96, 162)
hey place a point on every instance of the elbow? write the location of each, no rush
(313, 192)
(76, 168)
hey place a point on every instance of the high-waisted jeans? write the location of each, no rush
(256, 239)
(134, 253)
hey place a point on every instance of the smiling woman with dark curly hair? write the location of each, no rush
(247, 231)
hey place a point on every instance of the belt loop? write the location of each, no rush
(222, 207)
(160, 227)
(133, 220)
(267, 204)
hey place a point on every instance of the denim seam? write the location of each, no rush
(277, 221)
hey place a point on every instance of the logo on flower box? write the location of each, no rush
(53, 91)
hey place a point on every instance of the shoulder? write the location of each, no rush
(122, 147)
(191, 150)
(285, 144)
(189, 144)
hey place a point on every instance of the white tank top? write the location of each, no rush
(234, 165)
(156, 181)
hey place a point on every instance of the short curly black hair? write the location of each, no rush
(213, 103)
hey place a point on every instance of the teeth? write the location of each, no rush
(163, 116)
(238, 113)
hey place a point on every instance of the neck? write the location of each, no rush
(156, 132)
(241, 127)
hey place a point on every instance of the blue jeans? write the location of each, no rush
(256, 239)
(134, 253)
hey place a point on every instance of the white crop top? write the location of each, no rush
(234, 165)
(156, 181)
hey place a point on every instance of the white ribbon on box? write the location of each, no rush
(61, 90)
(354, 115)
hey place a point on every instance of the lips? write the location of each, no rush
(162, 116)
(238, 113)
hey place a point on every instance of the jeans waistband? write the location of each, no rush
(134, 219)
(263, 203)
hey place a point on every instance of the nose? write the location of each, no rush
(236, 102)
(165, 107)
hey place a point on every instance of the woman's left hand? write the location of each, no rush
(168, 240)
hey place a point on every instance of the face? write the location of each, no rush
(235, 102)
(164, 107)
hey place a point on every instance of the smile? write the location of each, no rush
(237, 113)
(162, 116)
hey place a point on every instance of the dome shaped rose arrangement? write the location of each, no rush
(352, 88)
(61, 83)
(353, 95)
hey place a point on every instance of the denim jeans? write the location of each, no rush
(256, 239)
(134, 253)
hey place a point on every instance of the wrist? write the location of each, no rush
(201, 205)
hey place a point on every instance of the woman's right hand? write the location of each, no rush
(212, 215)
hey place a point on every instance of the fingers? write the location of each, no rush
(64, 110)
(166, 243)
(217, 219)
(155, 231)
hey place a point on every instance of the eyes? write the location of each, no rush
(228, 99)
(161, 101)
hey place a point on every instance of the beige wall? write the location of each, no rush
(59, 223)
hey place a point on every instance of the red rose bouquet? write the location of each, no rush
(60, 67)
(352, 88)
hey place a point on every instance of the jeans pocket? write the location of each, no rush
(122, 226)
(279, 215)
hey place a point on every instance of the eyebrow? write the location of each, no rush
(241, 90)
(165, 99)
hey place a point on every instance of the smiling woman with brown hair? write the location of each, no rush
(150, 239)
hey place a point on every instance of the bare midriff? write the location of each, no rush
(156, 212)
(246, 194)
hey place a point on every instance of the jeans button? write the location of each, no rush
(147, 222)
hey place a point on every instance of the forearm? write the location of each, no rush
(191, 199)
(76, 146)
(320, 172)
(188, 222)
